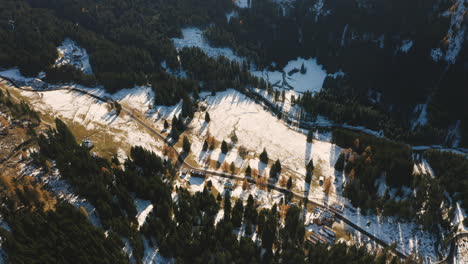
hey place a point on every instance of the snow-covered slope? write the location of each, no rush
(71, 53)
(291, 76)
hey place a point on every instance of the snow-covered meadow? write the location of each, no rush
(289, 78)
(292, 78)
(89, 117)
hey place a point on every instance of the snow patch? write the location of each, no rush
(292, 78)
(406, 45)
(71, 53)
(421, 111)
(143, 207)
(193, 37)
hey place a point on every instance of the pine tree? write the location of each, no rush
(278, 166)
(248, 171)
(175, 134)
(232, 167)
(207, 117)
(205, 145)
(309, 171)
(308, 177)
(273, 172)
(264, 157)
(339, 165)
(227, 206)
(187, 107)
(303, 69)
(237, 214)
(289, 184)
(224, 147)
(186, 145)
(310, 136)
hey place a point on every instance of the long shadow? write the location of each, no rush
(308, 153)
(204, 126)
(261, 167)
(221, 158)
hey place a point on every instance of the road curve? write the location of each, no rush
(183, 163)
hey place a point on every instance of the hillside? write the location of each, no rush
(257, 131)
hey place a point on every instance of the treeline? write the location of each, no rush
(204, 72)
(341, 103)
(220, 73)
(389, 156)
(368, 160)
(451, 170)
(365, 159)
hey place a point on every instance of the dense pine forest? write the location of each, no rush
(129, 41)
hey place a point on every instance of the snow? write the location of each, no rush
(71, 53)
(456, 32)
(231, 15)
(233, 110)
(454, 135)
(460, 215)
(318, 10)
(242, 3)
(436, 54)
(97, 118)
(193, 37)
(62, 189)
(197, 184)
(143, 207)
(406, 45)
(343, 36)
(152, 256)
(312, 80)
(421, 111)
(408, 236)
(14, 74)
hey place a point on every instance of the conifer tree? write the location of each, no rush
(264, 157)
(205, 145)
(224, 147)
(232, 167)
(289, 184)
(248, 171)
(310, 136)
(186, 145)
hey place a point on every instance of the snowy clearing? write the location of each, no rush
(70, 53)
(291, 76)
(193, 37)
(143, 207)
(406, 45)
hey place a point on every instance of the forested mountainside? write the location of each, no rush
(405, 63)
(99, 220)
